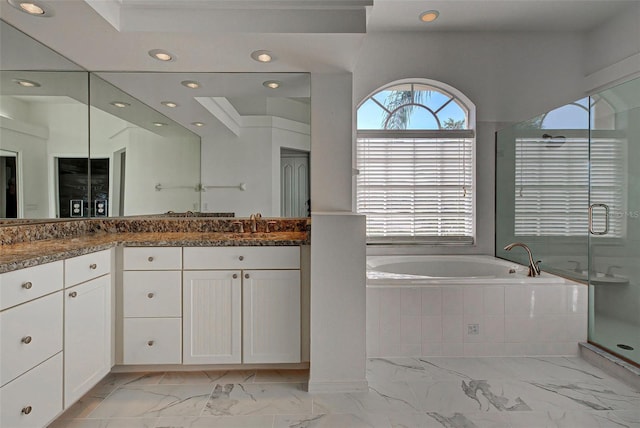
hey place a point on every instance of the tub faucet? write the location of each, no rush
(534, 267)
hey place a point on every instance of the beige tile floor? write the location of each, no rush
(516, 392)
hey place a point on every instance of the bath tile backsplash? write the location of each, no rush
(492, 320)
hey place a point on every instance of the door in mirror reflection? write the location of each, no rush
(8, 182)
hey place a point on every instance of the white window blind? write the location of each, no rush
(552, 185)
(417, 189)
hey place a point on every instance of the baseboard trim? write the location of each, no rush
(337, 387)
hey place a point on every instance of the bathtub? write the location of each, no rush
(454, 306)
(425, 270)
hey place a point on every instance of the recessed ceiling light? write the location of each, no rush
(119, 104)
(272, 84)
(190, 84)
(158, 124)
(169, 104)
(161, 55)
(33, 8)
(429, 16)
(262, 56)
(27, 83)
(198, 124)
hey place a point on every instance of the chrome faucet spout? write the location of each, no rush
(254, 221)
(534, 267)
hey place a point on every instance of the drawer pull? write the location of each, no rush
(150, 295)
(27, 285)
(150, 343)
(150, 258)
(235, 275)
(246, 275)
(26, 340)
(241, 258)
(93, 266)
(26, 410)
(73, 294)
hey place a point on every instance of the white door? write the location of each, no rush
(211, 317)
(271, 316)
(87, 336)
(294, 184)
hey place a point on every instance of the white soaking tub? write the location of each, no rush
(470, 306)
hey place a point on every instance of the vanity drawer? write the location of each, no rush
(152, 341)
(33, 399)
(83, 268)
(242, 258)
(152, 294)
(152, 258)
(29, 334)
(23, 285)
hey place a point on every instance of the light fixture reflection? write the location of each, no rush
(159, 124)
(198, 124)
(190, 84)
(119, 104)
(33, 8)
(161, 55)
(262, 56)
(26, 83)
(272, 84)
(169, 104)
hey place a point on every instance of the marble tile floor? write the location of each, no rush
(517, 392)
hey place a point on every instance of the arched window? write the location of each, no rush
(415, 162)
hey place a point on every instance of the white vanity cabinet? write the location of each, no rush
(152, 305)
(241, 305)
(31, 325)
(87, 323)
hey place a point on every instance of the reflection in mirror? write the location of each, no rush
(234, 144)
(43, 139)
(142, 162)
(255, 140)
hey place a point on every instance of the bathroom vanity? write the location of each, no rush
(73, 309)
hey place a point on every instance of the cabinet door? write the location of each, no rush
(35, 398)
(211, 317)
(87, 336)
(271, 316)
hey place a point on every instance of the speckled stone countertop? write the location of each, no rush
(27, 254)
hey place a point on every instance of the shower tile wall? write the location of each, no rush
(495, 320)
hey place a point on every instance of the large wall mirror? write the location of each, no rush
(79, 144)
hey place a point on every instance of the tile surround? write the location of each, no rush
(547, 319)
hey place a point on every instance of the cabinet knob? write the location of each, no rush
(93, 266)
(26, 340)
(73, 294)
(27, 285)
(150, 258)
(26, 410)
(150, 343)
(246, 275)
(241, 258)
(235, 275)
(150, 295)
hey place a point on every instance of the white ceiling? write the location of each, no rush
(321, 36)
(305, 35)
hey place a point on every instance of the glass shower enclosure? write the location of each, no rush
(568, 185)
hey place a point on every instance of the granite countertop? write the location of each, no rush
(22, 255)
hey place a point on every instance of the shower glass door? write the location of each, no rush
(614, 226)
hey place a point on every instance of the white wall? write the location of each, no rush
(152, 160)
(253, 158)
(338, 253)
(614, 42)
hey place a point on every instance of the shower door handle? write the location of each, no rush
(606, 219)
